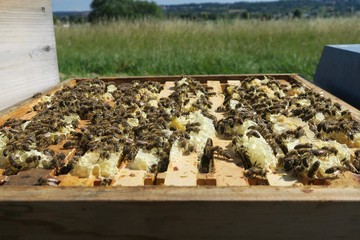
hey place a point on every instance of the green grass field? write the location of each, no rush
(185, 47)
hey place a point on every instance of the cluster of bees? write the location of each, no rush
(273, 125)
(309, 135)
(107, 118)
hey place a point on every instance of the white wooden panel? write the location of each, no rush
(28, 62)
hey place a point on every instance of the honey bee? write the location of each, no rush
(305, 145)
(253, 133)
(69, 145)
(129, 152)
(58, 161)
(5, 152)
(255, 171)
(59, 138)
(104, 155)
(222, 108)
(106, 182)
(47, 182)
(189, 149)
(193, 127)
(206, 161)
(334, 169)
(33, 158)
(299, 170)
(244, 156)
(349, 165)
(13, 162)
(313, 170)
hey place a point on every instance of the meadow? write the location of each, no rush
(189, 47)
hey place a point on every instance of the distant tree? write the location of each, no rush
(104, 10)
(297, 13)
(245, 15)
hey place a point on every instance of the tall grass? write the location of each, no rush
(186, 47)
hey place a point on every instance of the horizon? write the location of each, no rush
(84, 5)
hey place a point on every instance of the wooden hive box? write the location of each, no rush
(222, 204)
(151, 209)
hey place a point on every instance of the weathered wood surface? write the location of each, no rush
(28, 62)
(129, 178)
(179, 213)
(182, 172)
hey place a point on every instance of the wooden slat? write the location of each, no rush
(69, 153)
(206, 179)
(182, 172)
(201, 78)
(29, 116)
(281, 179)
(348, 179)
(73, 181)
(234, 82)
(28, 62)
(218, 99)
(227, 173)
(256, 195)
(167, 90)
(27, 178)
(160, 178)
(127, 177)
(149, 179)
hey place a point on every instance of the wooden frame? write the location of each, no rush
(28, 62)
(181, 212)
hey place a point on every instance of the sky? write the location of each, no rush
(84, 5)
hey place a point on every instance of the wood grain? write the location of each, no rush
(28, 62)
(127, 178)
(73, 181)
(182, 172)
(145, 213)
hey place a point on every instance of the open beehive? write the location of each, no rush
(163, 198)
(275, 130)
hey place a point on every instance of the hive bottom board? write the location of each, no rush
(165, 212)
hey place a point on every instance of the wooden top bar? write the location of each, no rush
(153, 193)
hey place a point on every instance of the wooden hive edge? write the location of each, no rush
(183, 194)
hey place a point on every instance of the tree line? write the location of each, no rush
(109, 10)
(105, 10)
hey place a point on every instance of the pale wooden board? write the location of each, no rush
(218, 99)
(73, 181)
(227, 173)
(281, 179)
(234, 82)
(28, 62)
(167, 90)
(127, 177)
(182, 172)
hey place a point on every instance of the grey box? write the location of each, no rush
(338, 72)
